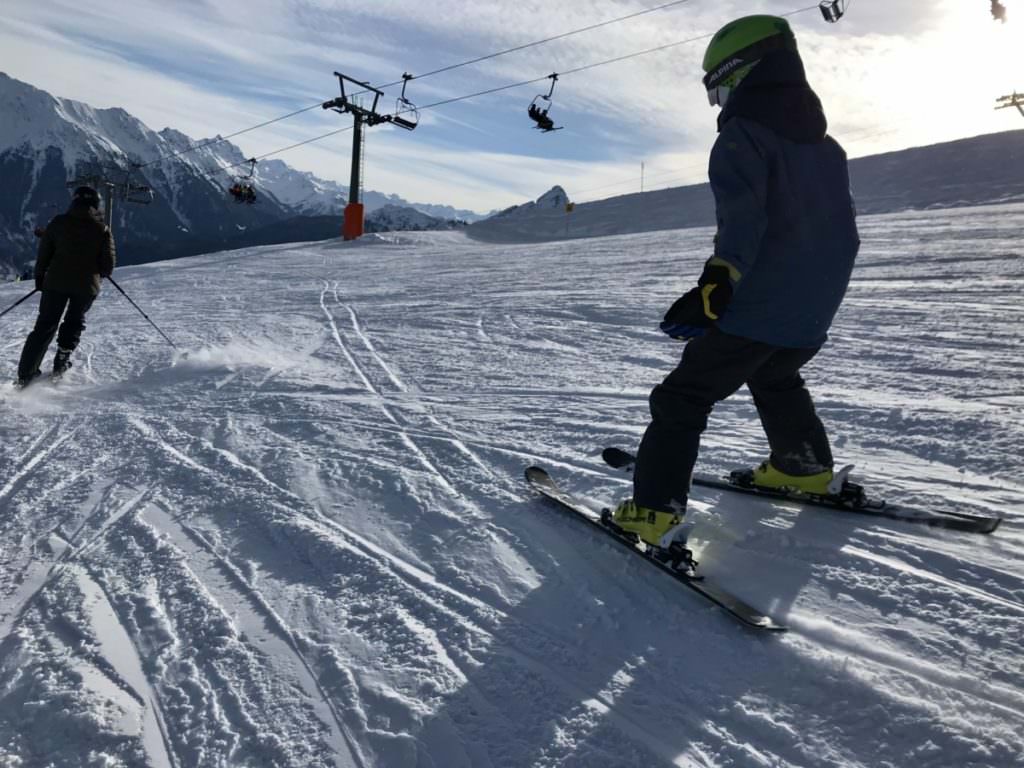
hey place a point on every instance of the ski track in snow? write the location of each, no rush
(308, 543)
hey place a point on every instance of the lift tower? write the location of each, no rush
(353, 223)
(110, 189)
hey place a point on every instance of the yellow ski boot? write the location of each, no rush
(767, 476)
(650, 525)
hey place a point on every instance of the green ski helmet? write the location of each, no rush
(737, 47)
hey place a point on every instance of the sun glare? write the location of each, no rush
(950, 78)
(989, 51)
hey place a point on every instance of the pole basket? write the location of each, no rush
(353, 225)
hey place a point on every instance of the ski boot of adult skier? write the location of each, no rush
(75, 252)
(784, 251)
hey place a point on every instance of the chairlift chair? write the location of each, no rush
(539, 115)
(406, 115)
(131, 192)
(832, 10)
(243, 189)
(138, 193)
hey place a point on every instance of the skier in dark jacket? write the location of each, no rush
(784, 252)
(75, 252)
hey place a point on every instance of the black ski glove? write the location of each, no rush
(685, 319)
(697, 309)
(715, 289)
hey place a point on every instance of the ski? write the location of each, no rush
(542, 482)
(856, 503)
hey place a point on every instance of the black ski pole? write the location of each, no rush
(114, 283)
(23, 298)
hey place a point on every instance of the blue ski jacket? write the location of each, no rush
(786, 219)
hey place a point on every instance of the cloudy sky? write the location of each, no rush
(891, 73)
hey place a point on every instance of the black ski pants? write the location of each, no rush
(51, 308)
(713, 367)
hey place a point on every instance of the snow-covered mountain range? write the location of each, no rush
(401, 218)
(46, 141)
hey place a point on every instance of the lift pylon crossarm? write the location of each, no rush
(342, 103)
(370, 115)
(1013, 100)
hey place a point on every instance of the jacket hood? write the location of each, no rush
(80, 210)
(776, 95)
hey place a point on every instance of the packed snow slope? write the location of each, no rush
(308, 543)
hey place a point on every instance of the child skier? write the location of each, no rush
(784, 251)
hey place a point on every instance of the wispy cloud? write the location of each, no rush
(891, 75)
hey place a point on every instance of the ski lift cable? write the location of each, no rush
(596, 64)
(321, 137)
(453, 100)
(583, 68)
(448, 68)
(535, 43)
(220, 139)
(304, 143)
(318, 105)
(587, 29)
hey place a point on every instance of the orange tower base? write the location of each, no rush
(353, 226)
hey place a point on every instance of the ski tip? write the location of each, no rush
(996, 521)
(534, 473)
(616, 457)
(964, 522)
